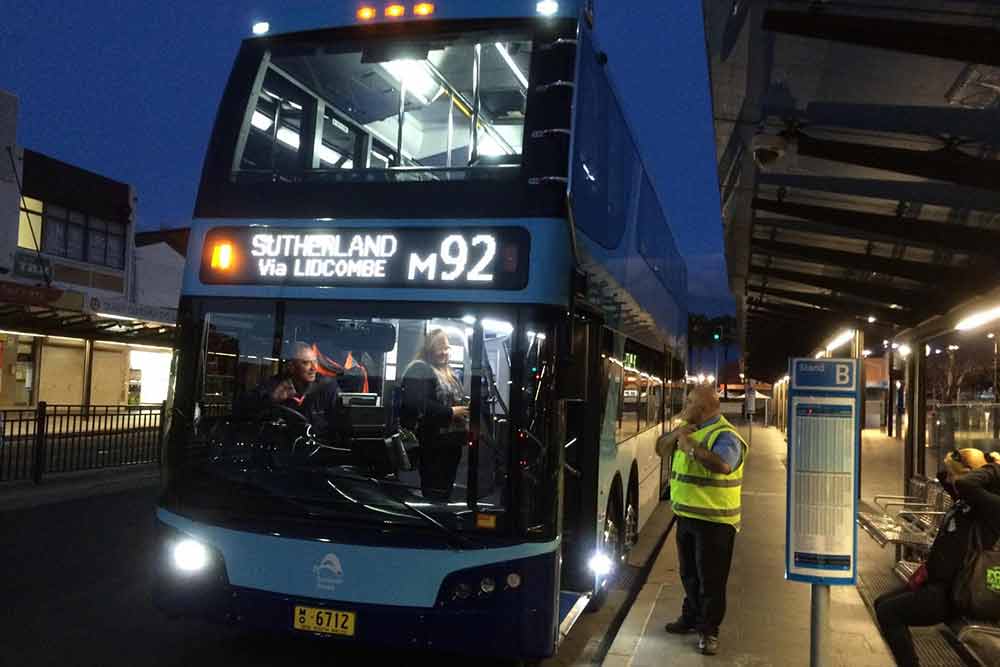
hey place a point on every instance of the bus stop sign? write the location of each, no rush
(821, 534)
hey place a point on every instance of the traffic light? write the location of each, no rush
(717, 336)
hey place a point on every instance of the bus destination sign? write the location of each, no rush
(487, 258)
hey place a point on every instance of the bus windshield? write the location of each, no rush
(304, 411)
(390, 109)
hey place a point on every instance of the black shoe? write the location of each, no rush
(679, 627)
(708, 644)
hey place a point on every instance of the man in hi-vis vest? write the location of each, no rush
(707, 456)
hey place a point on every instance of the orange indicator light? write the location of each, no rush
(367, 13)
(395, 11)
(222, 256)
(423, 9)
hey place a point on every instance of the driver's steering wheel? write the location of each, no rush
(288, 414)
(295, 419)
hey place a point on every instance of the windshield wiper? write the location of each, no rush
(455, 537)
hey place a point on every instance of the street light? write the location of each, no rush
(978, 319)
(840, 339)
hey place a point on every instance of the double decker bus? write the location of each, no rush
(374, 183)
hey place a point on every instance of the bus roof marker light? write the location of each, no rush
(547, 7)
(395, 11)
(423, 9)
(261, 28)
(977, 320)
(366, 13)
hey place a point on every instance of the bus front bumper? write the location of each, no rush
(520, 625)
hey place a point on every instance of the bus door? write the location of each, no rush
(581, 451)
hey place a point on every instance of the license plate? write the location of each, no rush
(326, 621)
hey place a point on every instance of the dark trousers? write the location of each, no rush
(902, 608)
(439, 464)
(705, 550)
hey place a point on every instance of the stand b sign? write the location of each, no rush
(823, 451)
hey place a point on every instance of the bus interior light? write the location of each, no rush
(423, 9)
(414, 76)
(222, 256)
(366, 13)
(395, 11)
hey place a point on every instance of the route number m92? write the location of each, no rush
(455, 256)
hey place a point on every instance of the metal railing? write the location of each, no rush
(70, 438)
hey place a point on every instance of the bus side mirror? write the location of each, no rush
(574, 362)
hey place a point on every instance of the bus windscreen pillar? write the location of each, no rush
(823, 405)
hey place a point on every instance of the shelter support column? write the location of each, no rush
(858, 352)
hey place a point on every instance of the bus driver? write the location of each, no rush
(300, 389)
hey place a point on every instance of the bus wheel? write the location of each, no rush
(631, 524)
(611, 544)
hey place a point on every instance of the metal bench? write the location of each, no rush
(909, 520)
(904, 569)
(981, 639)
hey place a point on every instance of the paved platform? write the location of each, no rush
(767, 622)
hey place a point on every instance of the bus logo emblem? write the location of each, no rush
(329, 573)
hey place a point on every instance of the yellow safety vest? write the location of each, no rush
(698, 493)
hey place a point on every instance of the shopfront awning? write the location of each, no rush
(42, 311)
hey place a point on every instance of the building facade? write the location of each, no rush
(73, 327)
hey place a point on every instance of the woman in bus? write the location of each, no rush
(433, 406)
(926, 598)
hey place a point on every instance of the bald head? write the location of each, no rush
(702, 404)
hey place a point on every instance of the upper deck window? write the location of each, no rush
(394, 109)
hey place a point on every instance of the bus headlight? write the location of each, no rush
(600, 564)
(190, 556)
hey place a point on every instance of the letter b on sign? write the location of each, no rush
(843, 374)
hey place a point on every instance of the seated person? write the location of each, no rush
(926, 598)
(298, 388)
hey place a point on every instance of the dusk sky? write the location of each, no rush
(130, 89)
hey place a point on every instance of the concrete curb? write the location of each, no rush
(629, 624)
